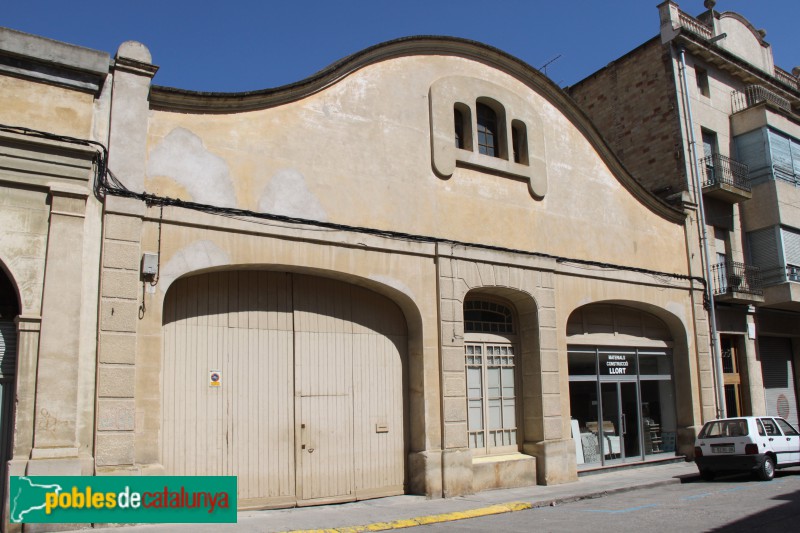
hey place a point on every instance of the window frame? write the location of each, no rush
(488, 128)
(702, 81)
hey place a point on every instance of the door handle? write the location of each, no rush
(624, 425)
(302, 436)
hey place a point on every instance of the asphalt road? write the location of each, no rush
(734, 503)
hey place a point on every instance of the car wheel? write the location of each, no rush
(766, 471)
(707, 475)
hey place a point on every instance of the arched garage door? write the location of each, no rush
(309, 402)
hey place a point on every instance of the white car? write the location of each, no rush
(758, 444)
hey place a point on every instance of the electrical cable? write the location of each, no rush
(105, 183)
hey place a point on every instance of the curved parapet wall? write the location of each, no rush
(184, 101)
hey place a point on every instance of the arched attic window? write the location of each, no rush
(490, 139)
(519, 142)
(462, 119)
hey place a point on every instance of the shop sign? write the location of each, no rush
(616, 365)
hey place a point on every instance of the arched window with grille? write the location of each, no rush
(491, 362)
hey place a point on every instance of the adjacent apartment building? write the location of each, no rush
(704, 98)
(420, 270)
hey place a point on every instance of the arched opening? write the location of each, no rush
(491, 128)
(491, 351)
(519, 141)
(462, 121)
(9, 311)
(504, 386)
(622, 394)
(295, 383)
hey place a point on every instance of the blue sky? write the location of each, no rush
(243, 45)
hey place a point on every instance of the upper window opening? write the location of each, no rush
(487, 317)
(519, 141)
(458, 118)
(701, 76)
(488, 138)
(462, 119)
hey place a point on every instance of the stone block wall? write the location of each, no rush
(531, 292)
(119, 316)
(632, 102)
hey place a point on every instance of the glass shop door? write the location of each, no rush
(620, 435)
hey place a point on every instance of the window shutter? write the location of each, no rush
(791, 246)
(781, 155)
(796, 159)
(776, 368)
(751, 149)
(763, 248)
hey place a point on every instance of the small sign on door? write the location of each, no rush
(214, 378)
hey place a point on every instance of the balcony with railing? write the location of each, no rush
(782, 287)
(781, 274)
(737, 283)
(787, 78)
(695, 26)
(725, 178)
(754, 95)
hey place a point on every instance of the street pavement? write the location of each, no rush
(395, 512)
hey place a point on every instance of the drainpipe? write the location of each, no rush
(716, 356)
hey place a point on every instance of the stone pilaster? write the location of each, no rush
(750, 368)
(456, 456)
(121, 289)
(28, 332)
(120, 298)
(55, 439)
(529, 286)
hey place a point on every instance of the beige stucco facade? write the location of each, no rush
(349, 181)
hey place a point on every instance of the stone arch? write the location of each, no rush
(526, 313)
(392, 291)
(676, 337)
(531, 291)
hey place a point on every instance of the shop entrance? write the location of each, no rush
(620, 416)
(620, 385)
(622, 404)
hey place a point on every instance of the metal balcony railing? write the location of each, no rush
(730, 277)
(780, 172)
(755, 94)
(720, 169)
(781, 274)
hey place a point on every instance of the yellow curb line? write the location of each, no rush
(424, 520)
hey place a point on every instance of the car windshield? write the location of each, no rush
(717, 429)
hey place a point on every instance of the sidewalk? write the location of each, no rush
(398, 508)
